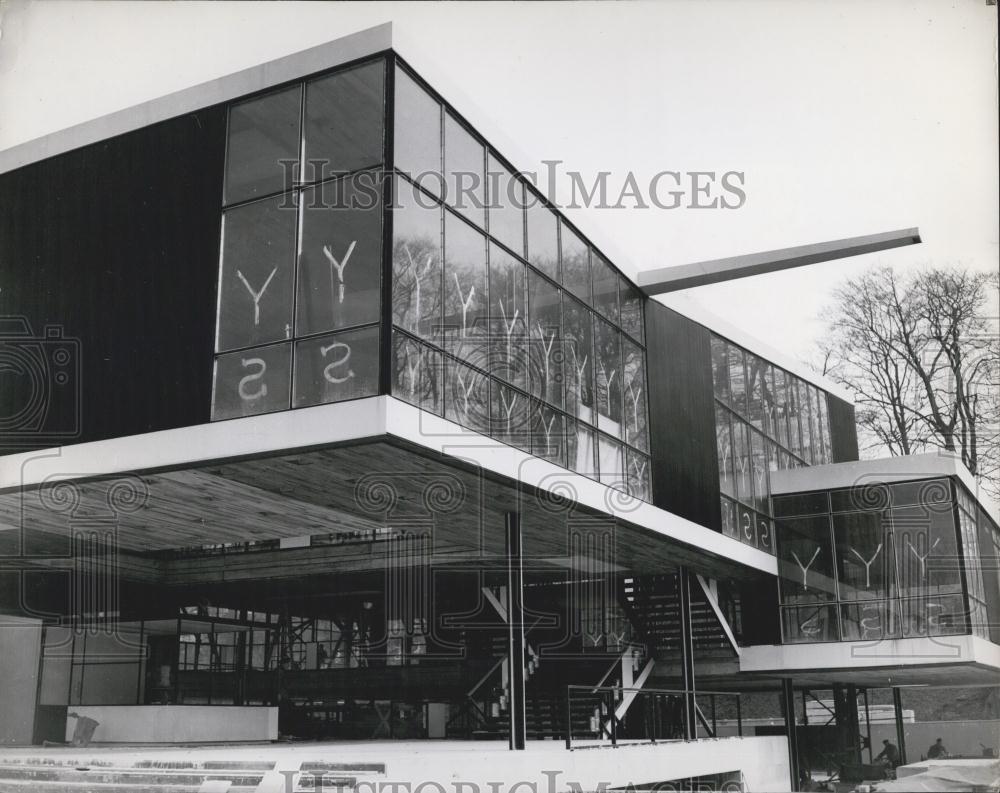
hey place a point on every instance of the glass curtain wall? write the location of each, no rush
(766, 419)
(505, 320)
(873, 562)
(299, 296)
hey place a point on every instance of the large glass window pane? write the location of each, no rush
(417, 133)
(609, 379)
(720, 369)
(257, 275)
(336, 367)
(638, 475)
(755, 390)
(926, 546)
(818, 399)
(466, 291)
(340, 256)
(605, 288)
(767, 399)
(931, 493)
(863, 496)
(417, 373)
(416, 264)
(636, 423)
(799, 504)
(812, 623)
(806, 422)
(464, 161)
(742, 462)
(793, 410)
(547, 353)
(805, 559)
(871, 620)
(343, 121)
(780, 408)
(765, 533)
(579, 340)
(865, 561)
(758, 463)
(582, 450)
(933, 615)
(506, 206)
(467, 397)
(971, 557)
(729, 524)
(508, 312)
(611, 463)
(575, 258)
(824, 427)
(548, 433)
(509, 415)
(737, 380)
(543, 237)
(746, 522)
(724, 449)
(251, 382)
(262, 151)
(631, 309)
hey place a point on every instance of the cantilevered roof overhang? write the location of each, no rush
(686, 276)
(298, 473)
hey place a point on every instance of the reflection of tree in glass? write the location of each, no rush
(416, 287)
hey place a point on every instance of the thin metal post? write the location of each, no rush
(788, 706)
(687, 654)
(611, 717)
(715, 728)
(515, 630)
(897, 704)
(853, 725)
(569, 718)
(868, 727)
(739, 714)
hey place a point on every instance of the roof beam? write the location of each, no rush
(685, 276)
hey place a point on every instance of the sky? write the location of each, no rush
(844, 118)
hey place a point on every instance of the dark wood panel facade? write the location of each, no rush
(117, 244)
(843, 430)
(682, 416)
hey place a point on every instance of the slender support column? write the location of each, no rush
(897, 704)
(868, 727)
(853, 723)
(515, 630)
(788, 707)
(687, 655)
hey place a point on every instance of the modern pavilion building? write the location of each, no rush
(308, 433)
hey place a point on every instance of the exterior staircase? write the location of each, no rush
(652, 604)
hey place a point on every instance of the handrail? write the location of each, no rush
(609, 721)
(646, 690)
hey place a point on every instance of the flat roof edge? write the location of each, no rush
(197, 97)
(929, 465)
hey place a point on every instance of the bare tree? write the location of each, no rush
(920, 353)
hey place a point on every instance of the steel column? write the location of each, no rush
(897, 704)
(515, 629)
(687, 654)
(788, 708)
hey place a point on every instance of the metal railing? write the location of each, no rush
(608, 715)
